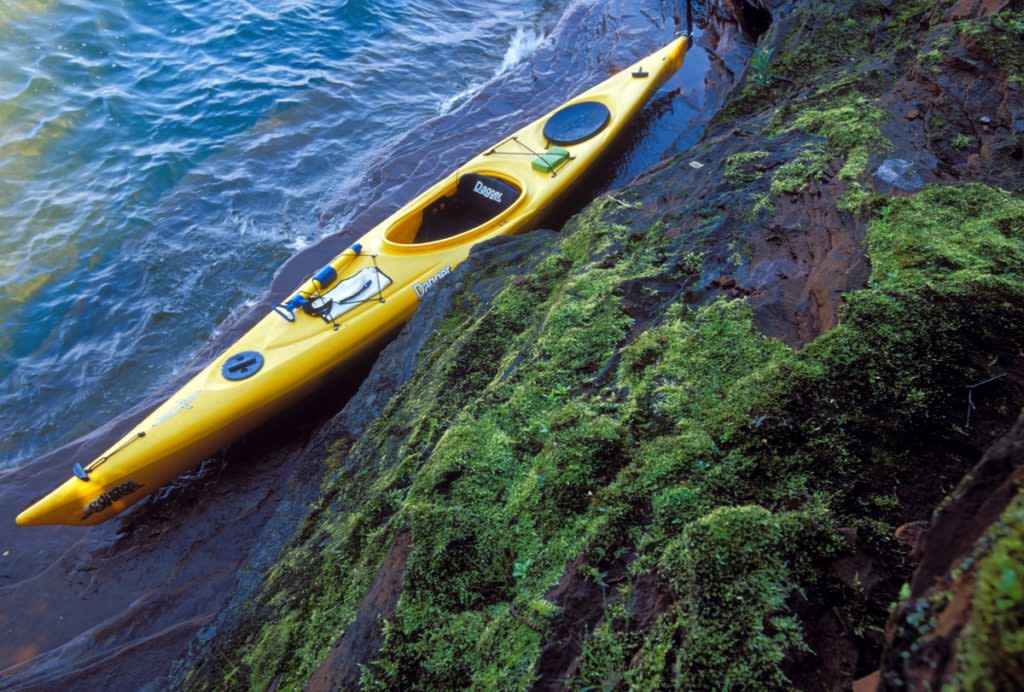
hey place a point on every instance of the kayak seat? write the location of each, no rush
(477, 199)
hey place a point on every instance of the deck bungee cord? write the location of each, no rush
(321, 283)
(550, 161)
(83, 472)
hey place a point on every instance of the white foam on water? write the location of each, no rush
(524, 42)
(299, 242)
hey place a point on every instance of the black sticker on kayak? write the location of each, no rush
(487, 192)
(110, 497)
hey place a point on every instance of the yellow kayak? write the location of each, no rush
(361, 297)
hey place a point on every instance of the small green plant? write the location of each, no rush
(1010, 590)
(932, 60)
(736, 258)
(962, 141)
(855, 199)
(972, 28)
(742, 168)
(761, 203)
(762, 72)
(796, 174)
(521, 569)
(596, 576)
(558, 393)
(693, 262)
(543, 608)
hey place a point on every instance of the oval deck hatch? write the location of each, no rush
(576, 123)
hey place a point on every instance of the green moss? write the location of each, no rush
(273, 640)
(733, 572)
(1001, 35)
(547, 427)
(828, 48)
(850, 132)
(851, 127)
(741, 168)
(962, 141)
(962, 234)
(794, 175)
(826, 81)
(931, 60)
(676, 372)
(762, 204)
(604, 661)
(853, 134)
(991, 655)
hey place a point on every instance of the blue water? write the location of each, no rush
(160, 160)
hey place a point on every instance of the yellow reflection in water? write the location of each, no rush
(22, 291)
(30, 209)
(11, 10)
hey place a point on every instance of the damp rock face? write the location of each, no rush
(959, 622)
(701, 433)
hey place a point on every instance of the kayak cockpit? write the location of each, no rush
(471, 201)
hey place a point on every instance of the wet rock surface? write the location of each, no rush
(898, 174)
(759, 212)
(926, 635)
(801, 260)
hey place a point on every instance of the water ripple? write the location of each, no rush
(159, 161)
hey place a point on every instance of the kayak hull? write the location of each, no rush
(289, 354)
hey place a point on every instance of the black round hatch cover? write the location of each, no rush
(576, 123)
(242, 365)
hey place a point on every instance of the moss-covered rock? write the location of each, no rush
(544, 429)
(603, 427)
(992, 647)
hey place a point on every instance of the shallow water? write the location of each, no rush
(159, 161)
